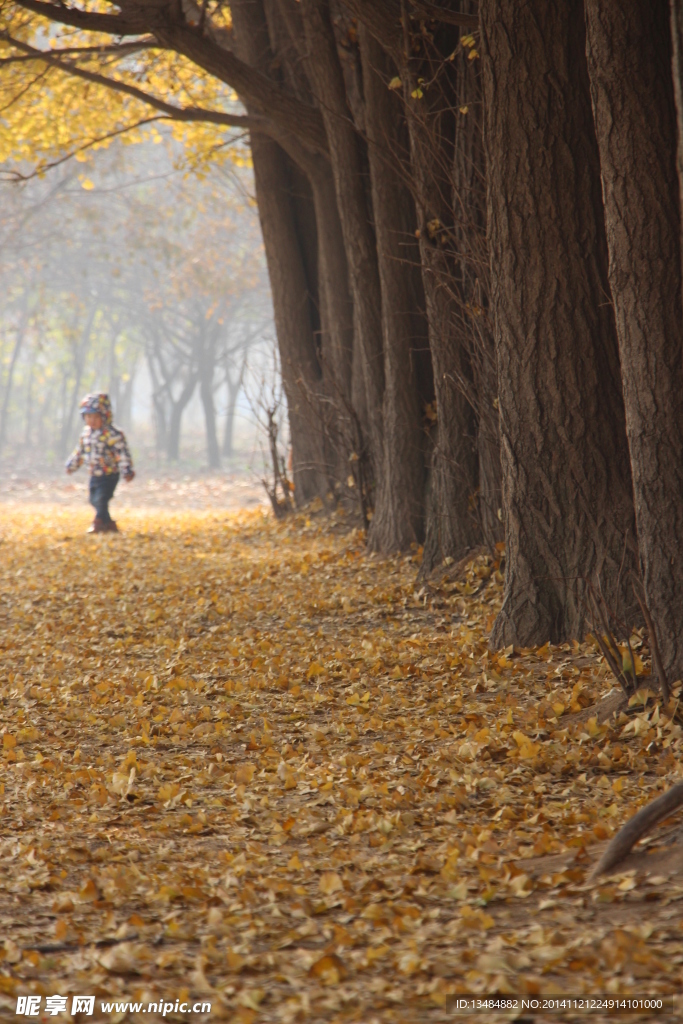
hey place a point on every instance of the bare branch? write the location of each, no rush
(14, 175)
(116, 49)
(435, 12)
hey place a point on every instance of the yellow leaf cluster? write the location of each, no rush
(47, 113)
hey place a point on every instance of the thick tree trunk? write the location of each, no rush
(336, 306)
(629, 60)
(469, 204)
(291, 304)
(399, 515)
(286, 261)
(451, 525)
(566, 477)
(677, 47)
(336, 321)
(349, 172)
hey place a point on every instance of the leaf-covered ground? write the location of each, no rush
(247, 762)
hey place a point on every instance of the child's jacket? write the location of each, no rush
(104, 451)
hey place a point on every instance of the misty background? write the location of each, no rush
(128, 274)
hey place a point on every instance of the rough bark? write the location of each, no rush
(448, 179)
(349, 170)
(629, 60)
(287, 272)
(677, 67)
(334, 309)
(399, 516)
(291, 305)
(452, 527)
(469, 228)
(566, 478)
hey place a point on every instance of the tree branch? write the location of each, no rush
(254, 88)
(435, 12)
(172, 111)
(12, 175)
(382, 18)
(88, 21)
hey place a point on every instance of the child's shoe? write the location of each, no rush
(97, 526)
(111, 527)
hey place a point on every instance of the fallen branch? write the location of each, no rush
(636, 828)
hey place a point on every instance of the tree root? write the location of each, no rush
(633, 830)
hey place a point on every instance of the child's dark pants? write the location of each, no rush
(101, 492)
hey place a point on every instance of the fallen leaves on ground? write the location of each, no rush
(246, 761)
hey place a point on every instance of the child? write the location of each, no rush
(103, 448)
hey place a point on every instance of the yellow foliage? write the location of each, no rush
(47, 113)
(243, 787)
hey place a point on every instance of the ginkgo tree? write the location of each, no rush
(449, 217)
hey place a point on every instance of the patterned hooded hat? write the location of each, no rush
(98, 402)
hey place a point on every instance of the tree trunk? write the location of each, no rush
(448, 177)
(229, 428)
(213, 453)
(296, 340)
(452, 527)
(336, 342)
(469, 204)
(677, 47)
(160, 427)
(80, 353)
(176, 417)
(566, 478)
(629, 60)
(333, 275)
(290, 288)
(29, 411)
(349, 170)
(125, 411)
(399, 513)
(7, 390)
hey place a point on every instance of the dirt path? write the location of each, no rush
(180, 491)
(245, 764)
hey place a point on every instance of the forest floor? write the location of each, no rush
(245, 763)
